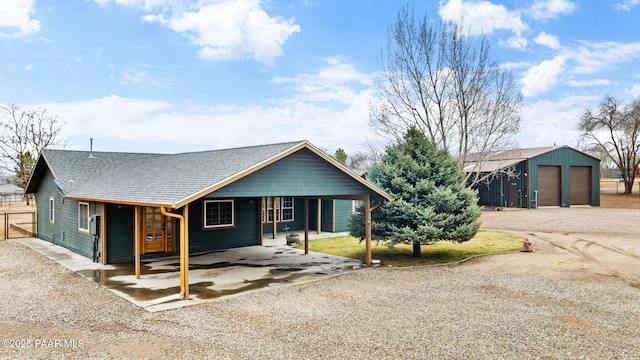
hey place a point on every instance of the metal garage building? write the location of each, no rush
(548, 176)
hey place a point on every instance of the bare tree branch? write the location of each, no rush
(441, 80)
(24, 134)
(613, 131)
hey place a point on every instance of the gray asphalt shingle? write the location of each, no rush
(152, 178)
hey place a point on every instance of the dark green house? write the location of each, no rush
(534, 177)
(121, 207)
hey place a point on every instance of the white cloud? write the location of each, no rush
(225, 29)
(167, 127)
(485, 17)
(547, 122)
(335, 82)
(594, 57)
(28, 67)
(147, 5)
(16, 16)
(626, 5)
(594, 82)
(517, 42)
(634, 91)
(550, 9)
(541, 78)
(547, 40)
(135, 76)
(514, 65)
(308, 113)
(481, 16)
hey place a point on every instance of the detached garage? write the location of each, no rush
(530, 178)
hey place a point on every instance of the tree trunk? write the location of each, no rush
(628, 185)
(416, 249)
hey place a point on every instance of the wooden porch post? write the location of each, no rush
(103, 235)
(319, 215)
(275, 224)
(185, 215)
(260, 239)
(333, 215)
(367, 220)
(136, 240)
(306, 225)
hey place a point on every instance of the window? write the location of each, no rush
(284, 209)
(52, 215)
(83, 216)
(287, 208)
(267, 208)
(218, 213)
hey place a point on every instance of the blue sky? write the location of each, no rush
(174, 75)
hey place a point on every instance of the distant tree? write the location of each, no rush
(614, 131)
(441, 80)
(24, 133)
(360, 160)
(341, 156)
(431, 200)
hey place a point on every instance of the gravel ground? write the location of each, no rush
(485, 308)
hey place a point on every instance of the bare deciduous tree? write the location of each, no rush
(614, 131)
(24, 134)
(442, 81)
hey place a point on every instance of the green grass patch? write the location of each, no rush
(485, 242)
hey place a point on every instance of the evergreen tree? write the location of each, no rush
(431, 200)
(341, 156)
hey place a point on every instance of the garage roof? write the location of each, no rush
(478, 162)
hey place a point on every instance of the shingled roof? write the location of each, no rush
(161, 179)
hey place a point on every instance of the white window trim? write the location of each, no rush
(292, 207)
(279, 201)
(52, 209)
(88, 216)
(233, 214)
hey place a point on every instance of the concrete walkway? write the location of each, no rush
(212, 275)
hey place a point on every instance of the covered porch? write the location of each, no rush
(212, 275)
(189, 227)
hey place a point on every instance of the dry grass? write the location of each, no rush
(620, 201)
(17, 207)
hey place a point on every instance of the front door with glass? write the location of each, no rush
(157, 231)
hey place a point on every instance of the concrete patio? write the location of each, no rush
(211, 275)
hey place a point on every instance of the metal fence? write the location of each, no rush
(615, 186)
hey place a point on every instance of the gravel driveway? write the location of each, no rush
(566, 300)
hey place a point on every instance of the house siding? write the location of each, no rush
(296, 225)
(327, 216)
(343, 210)
(64, 230)
(302, 173)
(245, 232)
(120, 233)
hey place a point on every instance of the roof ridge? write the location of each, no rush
(292, 143)
(101, 152)
(242, 147)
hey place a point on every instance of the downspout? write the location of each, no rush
(184, 259)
